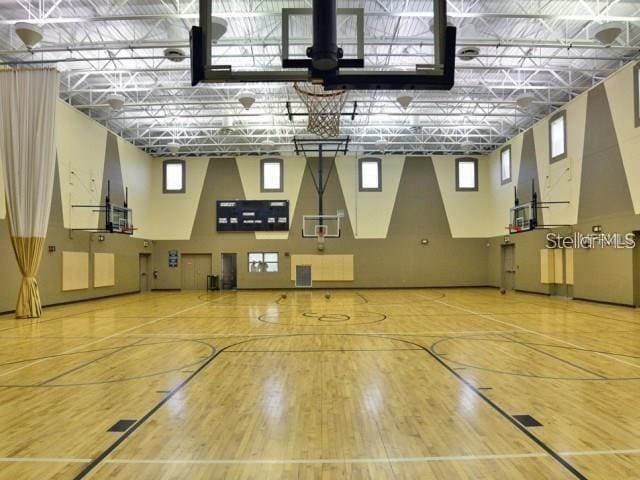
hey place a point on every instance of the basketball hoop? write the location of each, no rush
(321, 233)
(324, 107)
(128, 230)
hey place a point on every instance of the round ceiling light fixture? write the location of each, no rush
(525, 100)
(268, 145)
(404, 101)
(219, 27)
(607, 33)
(382, 144)
(246, 99)
(115, 100)
(29, 33)
(173, 148)
(467, 146)
(174, 54)
(466, 54)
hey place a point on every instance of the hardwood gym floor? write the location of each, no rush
(371, 384)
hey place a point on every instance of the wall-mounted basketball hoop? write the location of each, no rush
(524, 217)
(118, 218)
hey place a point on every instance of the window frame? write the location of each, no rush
(182, 163)
(636, 94)
(553, 118)
(475, 167)
(504, 181)
(277, 263)
(378, 162)
(263, 162)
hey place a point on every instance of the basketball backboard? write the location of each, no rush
(325, 45)
(522, 218)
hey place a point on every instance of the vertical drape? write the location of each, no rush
(27, 150)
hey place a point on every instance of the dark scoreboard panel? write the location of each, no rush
(252, 215)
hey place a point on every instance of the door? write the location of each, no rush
(509, 267)
(195, 268)
(145, 281)
(229, 271)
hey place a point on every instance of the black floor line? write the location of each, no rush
(105, 453)
(550, 355)
(574, 471)
(102, 456)
(90, 362)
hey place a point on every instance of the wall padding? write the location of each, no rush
(104, 270)
(547, 266)
(325, 268)
(75, 271)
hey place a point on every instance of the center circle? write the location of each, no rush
(321, 319)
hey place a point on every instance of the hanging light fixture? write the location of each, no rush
(29, 33)
(525, 100)
(173, 148)
(115, 100)
(246, 99)
(404, 101)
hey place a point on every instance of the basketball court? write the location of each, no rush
(319, 240)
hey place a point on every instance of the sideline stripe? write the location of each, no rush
(444, 458)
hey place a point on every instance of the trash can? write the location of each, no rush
(212, 282)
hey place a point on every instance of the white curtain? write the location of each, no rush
(27, 150)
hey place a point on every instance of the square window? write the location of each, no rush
(370, 175)
(558, 137)
(271, 175)
(505, 165)
(173, 175)
(263, 262)
(467, 174)
(271, 257)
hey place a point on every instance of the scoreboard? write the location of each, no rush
(252, 215)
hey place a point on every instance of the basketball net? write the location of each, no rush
(324, 107)
(321, 237)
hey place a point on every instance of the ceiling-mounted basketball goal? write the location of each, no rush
(325, 63)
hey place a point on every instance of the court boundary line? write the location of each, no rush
(311, 461)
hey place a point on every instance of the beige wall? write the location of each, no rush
(172, 215)
(467, 212)
(81, 146)
(397, 260)
(382, 230)
(628, 136)
(249, 169)
(603, 274)
(370, 212)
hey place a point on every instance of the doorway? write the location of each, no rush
(145, 268)
(195, 268)
(229, 271)
(508, 267)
